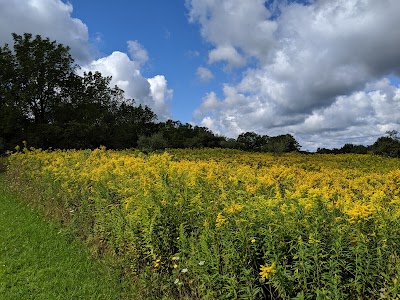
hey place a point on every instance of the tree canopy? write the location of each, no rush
(45, 102)
(385, 145)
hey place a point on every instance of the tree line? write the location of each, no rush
(388, 145)
(45, 102)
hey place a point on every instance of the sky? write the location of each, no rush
(325, 71)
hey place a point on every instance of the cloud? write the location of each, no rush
(159, 93)
(48, 18)
(311, 69)
(192, 53)
(204, 74)
(210, 103)
(231, 25)
(228, 54)
(359, 118)
(126, 74)
(137, 53)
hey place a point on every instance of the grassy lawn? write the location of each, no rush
(40, 261)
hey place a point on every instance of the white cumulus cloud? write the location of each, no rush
(159, 93)
(204, 74)
(48, 18)
(234, 24)
(137, 52)
(126, 74)
(228, 54)
(319, 68)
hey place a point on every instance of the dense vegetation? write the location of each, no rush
(45, 102)
(227, 224)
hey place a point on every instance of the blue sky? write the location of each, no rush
(325, 71)
(175, 47)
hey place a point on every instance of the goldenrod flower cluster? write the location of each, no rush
(266, 271)
(327, 223)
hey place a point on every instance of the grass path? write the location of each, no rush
(39, 261)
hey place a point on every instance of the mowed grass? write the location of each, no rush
(38, 260)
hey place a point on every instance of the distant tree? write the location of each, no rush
(44, 101)
(86, 114)
(281, 144)
(350, 148)
(130, 123)
(154, 142)
(206, 138)
(33, 77)
(229, 143)
(386, 146)
(179, 135)
(323, 151)
(249, 141)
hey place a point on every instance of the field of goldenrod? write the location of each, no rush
(225, 224)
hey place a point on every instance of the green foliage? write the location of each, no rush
(35, 76)
(281, 144)
(151, 143)
(44, 101)
(251, 141)
(387, 146)
(180, 135)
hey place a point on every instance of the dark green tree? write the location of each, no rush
(87, 113)
(386, 146)
(33, 79)
(281, 144)
(130, 123)
(153, 142)
(45, 102)
(249, 141)
(393, 134)
(180, 135)
(38, 72)
(350, 148)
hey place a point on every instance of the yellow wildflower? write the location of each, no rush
(220, 220)
(360, 211)
(157, 263)
(234, 207)
(267, 270)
